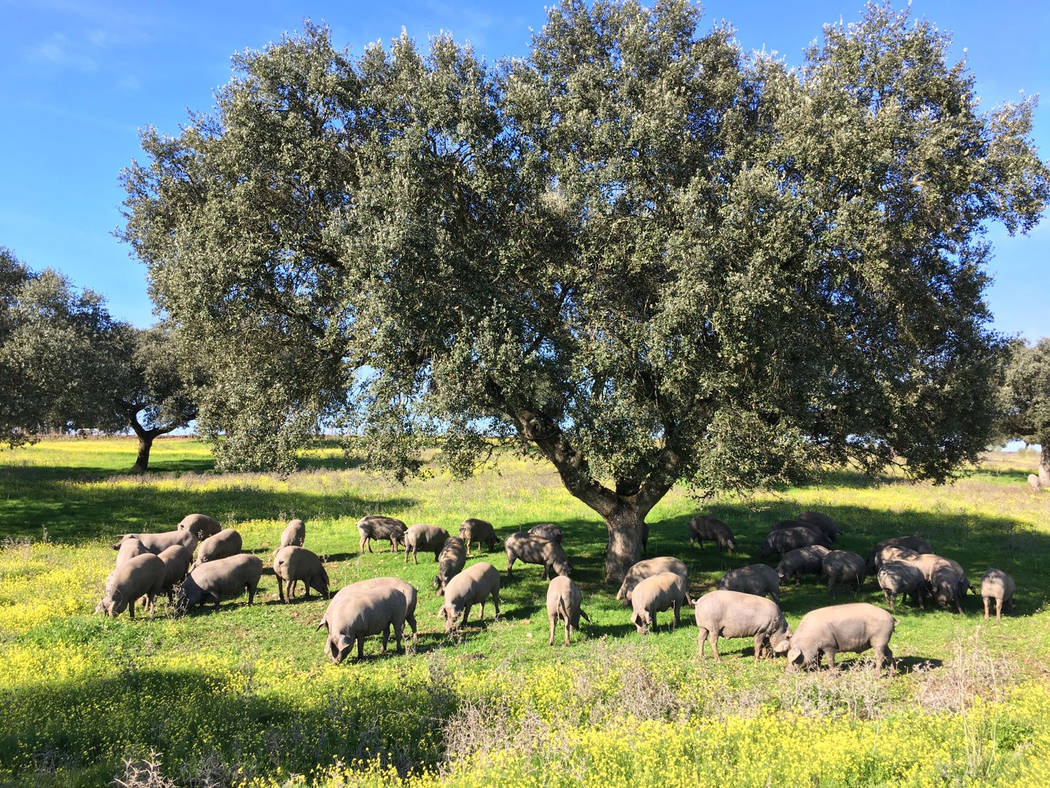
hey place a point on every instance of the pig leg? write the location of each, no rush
(831, 659)
(998, 608)
(131, 609)
(482, 611)
(252, 588)
(677, 619)
(466, 615)
(552, 620)
(510, 562)
(495, 604)
(987, 606)
(568, 630)
(889, 601)
(280, 590)
(360, 647)
(759, 638)
(386, 637)
(399, 631)
(700, 638)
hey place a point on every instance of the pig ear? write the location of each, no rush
(442, 613)
(794, 654)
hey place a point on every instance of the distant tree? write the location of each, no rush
(1025, 399)
(645, 255)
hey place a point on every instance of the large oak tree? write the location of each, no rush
(646, 255)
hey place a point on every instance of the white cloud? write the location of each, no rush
(60, 51)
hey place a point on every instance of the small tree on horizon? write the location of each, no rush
(1024, 399)
(648, 256)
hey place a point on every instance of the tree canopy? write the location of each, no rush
(650, 257)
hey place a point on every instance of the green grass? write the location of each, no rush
(246, 694)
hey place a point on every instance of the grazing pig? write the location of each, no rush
(916, 543)
(997, 585)
(828, 526)
(547, 531)
(177, 560)
(424, 537)
(294, 534)
(647, 568)
(157, 543)
(703, 527)
(292, 564)
(783, 540)
(142, 575)
(352, 617)
(854, 627)
(407, 590)
(481, 531)
(898, 578)
(757, 579)
(470, 587)
(533, 549)
(1033, 482)
(732, 614)
(375, 526)
(450, 562)
(946, 578)
(802, 561)
(224, 544)
(224, 578)
(130, 547)
(200, 525)
(842, 566)
(891, 553)
(563, 604)
(666, 590)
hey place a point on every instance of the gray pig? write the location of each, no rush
(898, 578)
(547, 531)
(200, 525)
(142, 575)
(375, 526)
(294, 534)
(663, 591)
(647, 568)
(853, 627)
(916, 543)
(225, 578)
(997, 585)
(532, 549)
(224, 544)
(891, 553)
(470, 587)
(783, 540)
(757, 579)
(451, 560)
(407, 590)
(352, 617)
(424, 537)
(732, 614)
(130, 546)
(828, 526)
(157, 543)
(177, 560)
(292, 564)
(842, 566)
(703, 527)
(802, 561)
(481, 531)
(563, 604)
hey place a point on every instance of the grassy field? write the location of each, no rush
(245, 694)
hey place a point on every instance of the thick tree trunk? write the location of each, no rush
(625, 542)
(145, 444)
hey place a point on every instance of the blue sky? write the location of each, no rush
(79, 78)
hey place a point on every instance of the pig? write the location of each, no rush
(450, 562)
(703, 527)
(224, 578)
(533, 549)
(141, 575)
(997, 585)
(352, 617)
(547, 531)
(177, 560)
(474, 530)
(782, 540)
(224, 544)
(732, 614)
(898, 578)
(425, 537)
(828, 526)
(1033, 482)
(892, 553)
(292, 564)
(658, 592)
(407, 590)
(470, 587)
(842, 566)
(946, 579)
(374, 526)
(294, 534)
(802, 561)
(156, 543)
(130, 547)
(563, 604)
(200, 525)
(853, 627)
(757, 579)
(647, 568)
(916, 543)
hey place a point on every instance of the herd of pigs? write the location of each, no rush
(149, 564)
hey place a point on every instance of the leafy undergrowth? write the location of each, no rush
(245, 695)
